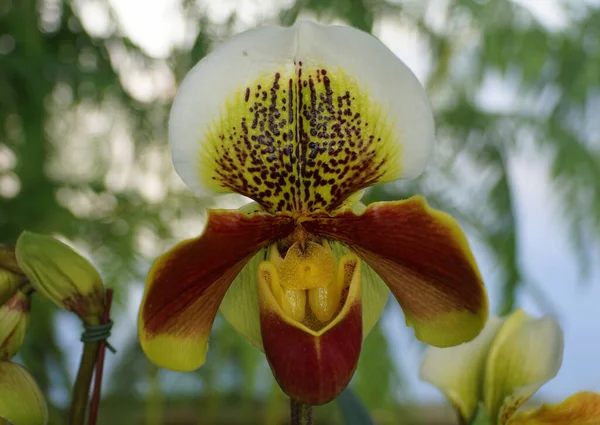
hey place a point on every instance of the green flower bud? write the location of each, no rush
(62, 275)
(11, 276)
(14, 316)
(21, 401)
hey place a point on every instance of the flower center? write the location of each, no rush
(306, 281)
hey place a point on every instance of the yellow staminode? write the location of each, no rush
(306, 265)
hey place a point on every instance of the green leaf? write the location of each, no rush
(353, 410)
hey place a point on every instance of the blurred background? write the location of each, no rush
(85, 89)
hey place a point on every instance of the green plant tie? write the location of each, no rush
(97, 333)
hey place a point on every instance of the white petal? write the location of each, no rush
(525, 355)
(458, 371)
(333, 152)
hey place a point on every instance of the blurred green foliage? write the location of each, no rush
(81, 144)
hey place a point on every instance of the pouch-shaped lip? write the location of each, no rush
(311, 366)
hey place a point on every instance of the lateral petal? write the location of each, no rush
(185, 286)
(424, 258)
(580, 409)
(298, 118)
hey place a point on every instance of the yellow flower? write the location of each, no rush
(502, 368)
(62, 275)
(21, 401)
(301, 120)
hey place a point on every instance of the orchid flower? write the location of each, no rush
(301, 120)
(502, 368)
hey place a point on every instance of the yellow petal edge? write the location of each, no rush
(580, 409)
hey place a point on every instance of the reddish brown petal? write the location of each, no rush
(426, 261)
(186, 285)
(312, 367)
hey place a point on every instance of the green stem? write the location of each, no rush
(81, 389)
(154, 401)
(301, 414)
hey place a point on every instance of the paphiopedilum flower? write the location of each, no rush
(21, 401)
(502, 368)
(301, 120)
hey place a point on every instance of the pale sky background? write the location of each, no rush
(158, 25)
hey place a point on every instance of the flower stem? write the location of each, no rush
(81, 389)
(154, 400)
(301, 414)
(100, 362)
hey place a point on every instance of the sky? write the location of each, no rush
(544, 249)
